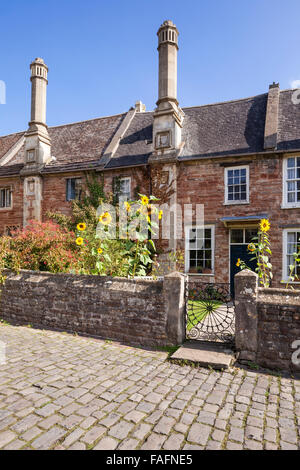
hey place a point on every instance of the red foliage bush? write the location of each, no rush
(44, 246)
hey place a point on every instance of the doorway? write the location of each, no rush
(239, 241)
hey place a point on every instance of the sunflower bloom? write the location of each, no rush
(105, 218)
(160, 214)
(79, 241)
(264, 225)
(251, 247)
(145, 200)
(100, 251)
(238, 262)
(81, 227)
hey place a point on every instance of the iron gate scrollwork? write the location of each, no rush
(210, 312)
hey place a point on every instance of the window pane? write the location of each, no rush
(78, 188)
(291, 162)
(291, 185)
(207, 244)
(2, 197)
(8, 198)
(291, 237)
(291, 197)
(237, 236)
(249, 234)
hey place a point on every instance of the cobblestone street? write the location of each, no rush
(59, 391)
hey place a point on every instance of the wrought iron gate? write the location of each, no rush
(210, 312)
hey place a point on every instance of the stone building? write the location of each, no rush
(240, 159)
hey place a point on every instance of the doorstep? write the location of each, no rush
(205, 354)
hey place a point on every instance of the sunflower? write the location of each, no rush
(79, 241)
(127, 206)
(238, 262)
(145, 200)
(81, 227)
(105, 218)
(160, 214)
(251, 247)
(264, 225)
(100, 251)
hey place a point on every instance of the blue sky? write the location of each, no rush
(102, 54)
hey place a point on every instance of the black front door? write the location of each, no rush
(239, 252)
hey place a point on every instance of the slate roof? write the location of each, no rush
(7, 141)
(136, 145)
(221, 129)
(215, 130)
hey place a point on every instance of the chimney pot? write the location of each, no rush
(140, 107)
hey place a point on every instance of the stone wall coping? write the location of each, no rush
(102, 279)
(283, 297)
(246, 273)
(279, 291)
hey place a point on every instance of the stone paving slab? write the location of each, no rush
(214, 355)
(61, 391)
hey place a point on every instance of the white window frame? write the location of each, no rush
(285, 277)
(226, 170)
(122, 196)
(7, 208)
(187, 251)
(285, 203)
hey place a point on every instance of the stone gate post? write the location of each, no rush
(246, 288)
(175, 302)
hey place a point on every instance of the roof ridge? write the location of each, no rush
(12, 133)
(86, 120)
(224, 102)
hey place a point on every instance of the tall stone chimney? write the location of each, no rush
(37, 140)
(271, 124)
(37, 144)
(168, 117)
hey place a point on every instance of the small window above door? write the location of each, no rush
(242, 236)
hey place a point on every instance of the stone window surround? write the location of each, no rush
(236, 167)
(187, 258)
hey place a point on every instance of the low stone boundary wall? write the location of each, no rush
(133, 311)
(267, 324)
